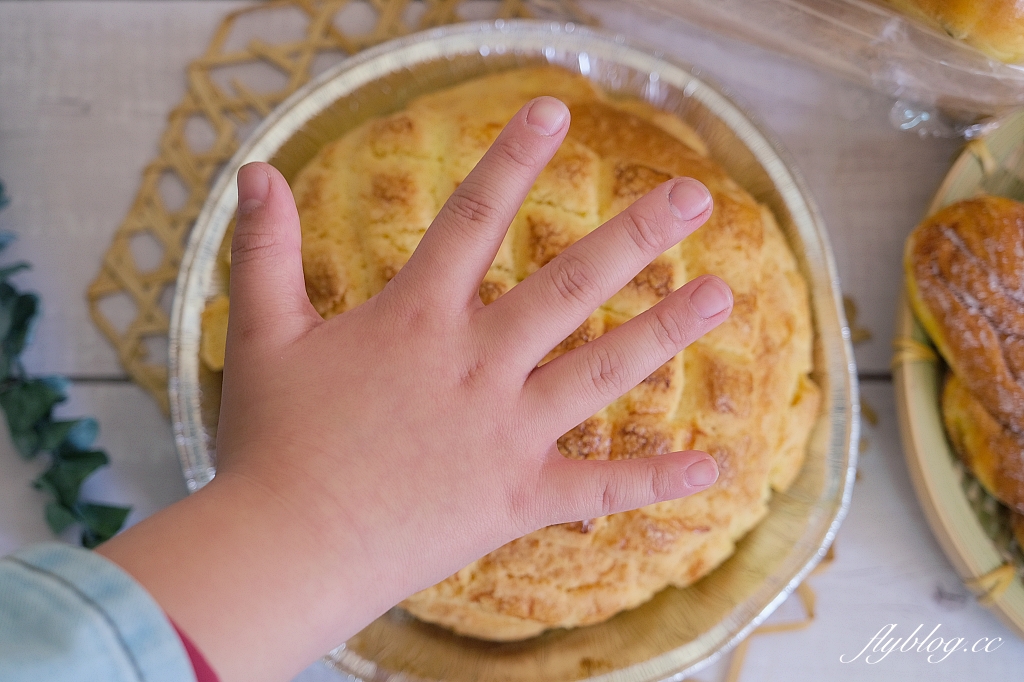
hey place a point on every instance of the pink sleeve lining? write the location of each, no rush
(204, 673)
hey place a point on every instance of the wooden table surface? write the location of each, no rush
(85, 88)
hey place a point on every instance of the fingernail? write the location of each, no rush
(711, 298)
(547, 116)
(253, 188)
(689, 198)
(701, 474)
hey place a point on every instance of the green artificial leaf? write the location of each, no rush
(28, 404)
(58, 518)
(69, 440)
(7, 292)
(65, 476)
(57, 383)
(8, 299)
(83, 433)
(26, 443)
(18, 333)
(101, 522)
(25, 404)
(52, 434)
(76, 456)
(9, 270)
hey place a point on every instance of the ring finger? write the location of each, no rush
(572, 387)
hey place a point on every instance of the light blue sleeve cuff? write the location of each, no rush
(69, 614)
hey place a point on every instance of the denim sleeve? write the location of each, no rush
(69, 614)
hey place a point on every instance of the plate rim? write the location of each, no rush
(934, 477)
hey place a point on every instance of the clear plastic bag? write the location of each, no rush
(942, 86)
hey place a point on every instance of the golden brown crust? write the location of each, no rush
(742, 393)
(214, 325)
(996, 27)
(966, 286)
(792, 447)
(993, 453)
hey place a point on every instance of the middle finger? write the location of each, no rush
(550, 304)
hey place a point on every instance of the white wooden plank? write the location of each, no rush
(85, 89)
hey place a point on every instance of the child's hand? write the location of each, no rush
(367, 457)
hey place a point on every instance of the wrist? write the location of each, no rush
(235, 569)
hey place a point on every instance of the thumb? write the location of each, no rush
(572, 490)
(268, 297)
